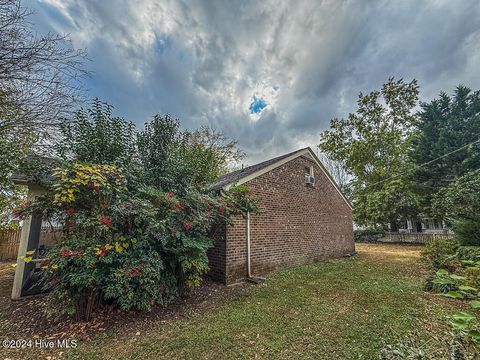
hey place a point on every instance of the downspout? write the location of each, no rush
(250, 278)
(249, 269)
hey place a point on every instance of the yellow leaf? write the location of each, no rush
(28, 259)
(108, 247)
(31, 252)
(54, 266)
(118, 247)
(14, 265)
(97, 251)
(126, 245)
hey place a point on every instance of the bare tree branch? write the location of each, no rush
(337, 170)
(40, 75)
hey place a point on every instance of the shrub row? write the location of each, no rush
(131, 249)
(368, 235)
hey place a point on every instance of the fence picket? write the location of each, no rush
(414, 238)
(9, 240)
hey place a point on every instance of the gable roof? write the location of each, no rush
(241, 176)
(237, 175)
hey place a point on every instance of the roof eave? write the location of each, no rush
(284, 161)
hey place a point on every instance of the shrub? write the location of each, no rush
(468, 232)
(464, 284)
(130, 249)
(469, 253)
(368, 236)
(437, 252)
(414, 346)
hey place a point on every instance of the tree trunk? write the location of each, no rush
(86, 304)
(183, 290)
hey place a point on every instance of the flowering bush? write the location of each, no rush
(132, 249)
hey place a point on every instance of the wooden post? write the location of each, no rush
(29, 240)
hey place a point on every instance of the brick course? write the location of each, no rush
(299, 224)
(216, 254)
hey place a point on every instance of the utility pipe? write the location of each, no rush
(249, 273)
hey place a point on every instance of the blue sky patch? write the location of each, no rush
(162, 43)
(257, 105)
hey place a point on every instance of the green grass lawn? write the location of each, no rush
(339, 309)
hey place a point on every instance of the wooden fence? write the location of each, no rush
(9, 240)
(413, 238)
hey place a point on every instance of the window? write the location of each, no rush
(309, 178)
(436, 224)
(432, 224)
(308, 171)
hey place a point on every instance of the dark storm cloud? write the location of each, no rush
(206, 61)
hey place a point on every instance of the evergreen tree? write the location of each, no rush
(445, 125)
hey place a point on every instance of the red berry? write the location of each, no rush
(105, 220)
(187, 225)
(179, 206)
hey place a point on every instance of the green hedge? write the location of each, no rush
(437, 251)
(368, 236)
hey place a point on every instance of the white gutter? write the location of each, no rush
(249, 273)
(250, 278)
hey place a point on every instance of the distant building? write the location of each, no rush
(425, 225)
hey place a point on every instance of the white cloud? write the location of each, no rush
(221, 54)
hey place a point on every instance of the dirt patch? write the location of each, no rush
(389, 252)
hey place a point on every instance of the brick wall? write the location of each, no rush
(299, 224)
(216, 254)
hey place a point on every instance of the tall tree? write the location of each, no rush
(40, 75)
(40, 82)
(445, 125)
(94, 135)
(210, 154)
(459, 200)
(338, 172)
(458, 204)
(373, 144)
(156, 143)
(174, 159)
(11, 152)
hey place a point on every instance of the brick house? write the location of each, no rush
(305, 218)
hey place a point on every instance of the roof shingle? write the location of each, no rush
(235, 176)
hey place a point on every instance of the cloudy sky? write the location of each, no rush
(269, 73)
